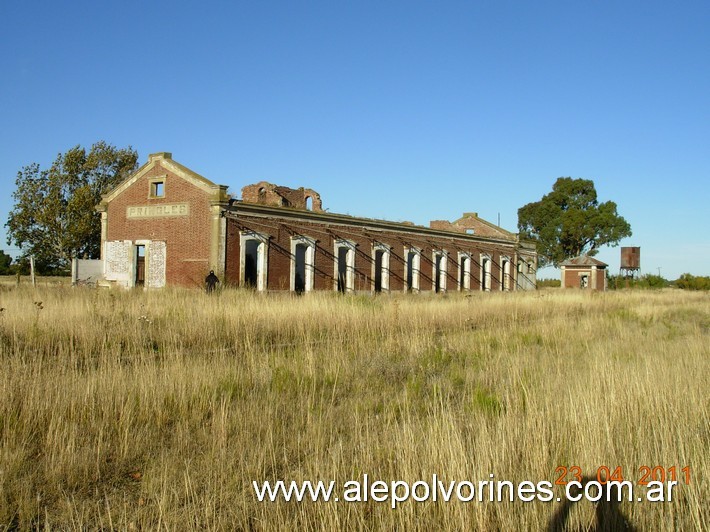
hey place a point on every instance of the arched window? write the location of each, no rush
(464, 281)
(505, 274)
(438, 273)
(253, 260)
(485, 273)
(380, 267)
(412, 267)
(303, 251)
(344, 268)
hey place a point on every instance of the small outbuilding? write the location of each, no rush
(584, 272)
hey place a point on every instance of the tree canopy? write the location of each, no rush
(5, 261)
(569, 221)
(53, 217)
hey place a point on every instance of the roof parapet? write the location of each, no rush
(160, 155)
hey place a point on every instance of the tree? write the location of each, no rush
(691, 282)
(569, 221)
(5, 261)
(54, 217)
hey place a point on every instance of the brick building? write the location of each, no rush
(583, 272)
(168, 225)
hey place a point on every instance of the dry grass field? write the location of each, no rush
(133, 410)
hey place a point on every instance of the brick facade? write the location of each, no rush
(281, 226)
(583, 272)
(277, 238)
(188, 234)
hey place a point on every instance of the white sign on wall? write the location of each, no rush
(158, 211)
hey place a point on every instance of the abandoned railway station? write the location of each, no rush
(167, 225)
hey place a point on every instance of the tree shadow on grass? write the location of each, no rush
(607, 513)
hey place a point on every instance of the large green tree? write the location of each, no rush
(569, 221)
(5, 261)
(53, 217)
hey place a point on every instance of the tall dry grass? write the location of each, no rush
(133, 410)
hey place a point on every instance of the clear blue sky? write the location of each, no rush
(397, 110)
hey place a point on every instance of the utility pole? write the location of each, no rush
(32, 270)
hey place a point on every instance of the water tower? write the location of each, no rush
(630, 261)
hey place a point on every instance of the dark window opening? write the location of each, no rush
(251, 256)
(410, 270)
(438, 259)
(300, 268)
(157, 189)
(309, 203)
(379, 260)
(342, 269)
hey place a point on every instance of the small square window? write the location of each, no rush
(157, 189)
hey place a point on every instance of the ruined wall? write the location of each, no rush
(527, 271)
(86, 271)
(265, 193)
(470, 223)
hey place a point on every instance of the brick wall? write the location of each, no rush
(280, 232)
(187, 237)
(572, 277)
(265, 193)
(471, 223)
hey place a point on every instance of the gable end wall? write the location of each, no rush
(187, 237)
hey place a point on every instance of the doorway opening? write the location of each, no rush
(251, 258)
(299, 282)
(485, 274)
(379, 264)
(505, 271)
(439, 272)
(464, 272)
(140, 265)
(412, 271)
(343, 269)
